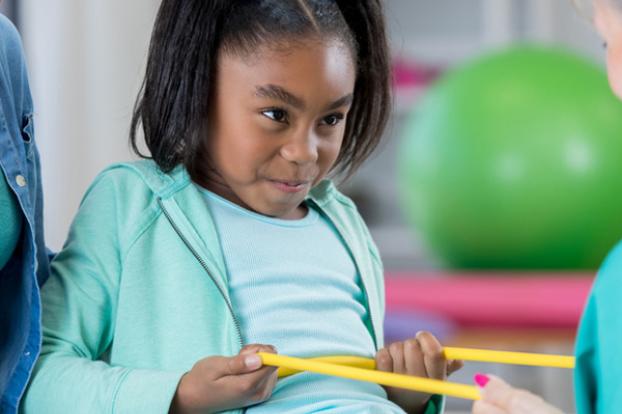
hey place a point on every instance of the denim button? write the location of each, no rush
(20, 180)
(27, 353)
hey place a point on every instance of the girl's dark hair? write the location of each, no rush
(172, 105)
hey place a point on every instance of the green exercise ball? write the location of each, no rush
(514, 161)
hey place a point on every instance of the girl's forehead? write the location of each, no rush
(312, 71)
(314, 56)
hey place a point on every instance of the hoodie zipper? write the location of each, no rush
(206, 268)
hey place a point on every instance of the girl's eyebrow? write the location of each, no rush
(343, 101)
(271, 91)
(276, 92)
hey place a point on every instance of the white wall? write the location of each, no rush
(86, 59)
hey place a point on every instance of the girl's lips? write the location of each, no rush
(289, 186)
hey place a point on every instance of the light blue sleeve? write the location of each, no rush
(79, 303)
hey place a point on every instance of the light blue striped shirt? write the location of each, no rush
(294, 285)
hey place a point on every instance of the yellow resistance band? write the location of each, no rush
(426, 385)
(466, 354)
(363, 369)
(505, 357)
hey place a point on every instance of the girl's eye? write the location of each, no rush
(277, 115)
(332, 120)
(605, 45)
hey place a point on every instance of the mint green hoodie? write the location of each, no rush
(139, 293)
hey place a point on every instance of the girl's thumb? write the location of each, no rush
(242, 364)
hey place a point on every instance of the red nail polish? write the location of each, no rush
(481, 380)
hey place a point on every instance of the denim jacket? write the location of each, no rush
(27, 269)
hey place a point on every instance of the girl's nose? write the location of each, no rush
(301, 149)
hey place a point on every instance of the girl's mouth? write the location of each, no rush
(289, 186)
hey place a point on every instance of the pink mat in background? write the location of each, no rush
(533, 300)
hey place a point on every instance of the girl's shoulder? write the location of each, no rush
(142, 175)
(133, 188)
(124, 199)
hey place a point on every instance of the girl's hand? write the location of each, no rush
(499, 398)
(421, 356)
(221, 383)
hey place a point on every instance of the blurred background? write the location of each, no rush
(492, 199)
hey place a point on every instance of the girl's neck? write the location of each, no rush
(214, 183)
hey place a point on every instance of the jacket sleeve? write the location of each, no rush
(436, 405)
(79, 304)
(585, 380)
(599, 340)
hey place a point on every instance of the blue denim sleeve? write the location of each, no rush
(28, 267)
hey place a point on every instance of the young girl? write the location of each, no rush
(230, 241)
(599, 340)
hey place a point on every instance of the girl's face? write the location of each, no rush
(608, 20)
(277, 122)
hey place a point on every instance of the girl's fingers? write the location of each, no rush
(254, 348)
(245, 363)
(454, 365)
(397, 354)
(384, 362)
(266, 383)
(433, 356)
(414, 358)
